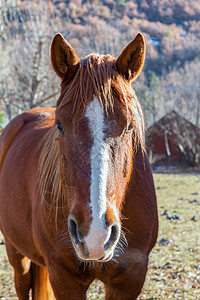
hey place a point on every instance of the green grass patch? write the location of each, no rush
(174, 268)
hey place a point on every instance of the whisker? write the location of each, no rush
(115, 260)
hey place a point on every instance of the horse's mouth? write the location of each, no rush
(101, 260)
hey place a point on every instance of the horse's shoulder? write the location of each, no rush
(18, 123)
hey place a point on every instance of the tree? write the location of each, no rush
(27, 79)
(154, 94)
(2, 115)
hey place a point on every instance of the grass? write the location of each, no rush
(174, 268)
(7, 290)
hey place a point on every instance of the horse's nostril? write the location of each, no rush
(101, 258)
(73, 231)
(114, 235)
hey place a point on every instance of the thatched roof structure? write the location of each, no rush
(173, 139)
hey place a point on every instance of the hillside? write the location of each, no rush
(170, 27)
(171, 75)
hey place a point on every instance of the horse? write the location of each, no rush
(77, 197)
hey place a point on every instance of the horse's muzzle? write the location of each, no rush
(100, 242)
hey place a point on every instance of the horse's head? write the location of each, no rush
(99, 122)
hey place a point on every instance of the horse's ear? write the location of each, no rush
(63, 56)
(131, 60)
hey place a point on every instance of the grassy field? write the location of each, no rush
(174, 269)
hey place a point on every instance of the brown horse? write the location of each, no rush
(77, 198)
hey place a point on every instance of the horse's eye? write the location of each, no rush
(60, 127)
(130, 127)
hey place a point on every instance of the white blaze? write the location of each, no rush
(99, 172)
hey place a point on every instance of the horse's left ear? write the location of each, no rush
(63, 56)
(131, 60)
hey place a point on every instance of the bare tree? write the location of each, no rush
(27, 81)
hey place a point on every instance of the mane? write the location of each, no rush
(49, 177)
(96, 76)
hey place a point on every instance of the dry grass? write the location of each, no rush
(174, 269)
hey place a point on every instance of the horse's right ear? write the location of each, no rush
(63, 56)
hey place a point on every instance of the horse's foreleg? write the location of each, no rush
(122, 292)
(41, 288)
(126, 285)
(22, 274)
(66, 284)
(128, 290)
